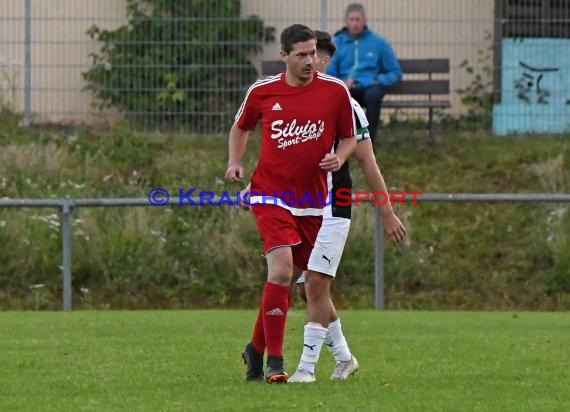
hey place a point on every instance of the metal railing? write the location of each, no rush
(66, 207)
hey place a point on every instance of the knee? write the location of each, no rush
(280, 272)
(317, 286)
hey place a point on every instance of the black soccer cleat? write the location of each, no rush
(275, 371)
(254, 362)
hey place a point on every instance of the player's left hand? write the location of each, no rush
(331, 162)
(394, 228)
(244, 197)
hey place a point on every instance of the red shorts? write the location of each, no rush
(278, 227)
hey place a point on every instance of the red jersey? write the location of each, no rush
(299, 126)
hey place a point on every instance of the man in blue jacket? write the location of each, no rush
(365, 62)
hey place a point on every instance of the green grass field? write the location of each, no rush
(190, 360)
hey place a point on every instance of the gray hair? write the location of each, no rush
(355, 7)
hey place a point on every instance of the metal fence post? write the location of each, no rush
(324, 14)
(66, 209)
(28, 64)
(379, 261)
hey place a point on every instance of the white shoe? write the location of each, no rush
(302, 376)
(344, 369)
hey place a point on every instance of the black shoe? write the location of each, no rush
(254, 362)
(275, 371)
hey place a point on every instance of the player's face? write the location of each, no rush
(301, 61)
(322, 61)
(355, 23)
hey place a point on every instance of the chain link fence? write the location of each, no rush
(184, 65)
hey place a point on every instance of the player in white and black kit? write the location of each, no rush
(326, 254)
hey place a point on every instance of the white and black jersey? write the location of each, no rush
(341, 179)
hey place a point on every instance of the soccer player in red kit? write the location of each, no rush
(301, 112)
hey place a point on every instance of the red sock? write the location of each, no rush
(258, 339)
(275, 304)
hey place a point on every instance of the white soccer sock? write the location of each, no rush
(336, 342)
(312, 345)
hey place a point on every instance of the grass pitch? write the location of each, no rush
(190, 361)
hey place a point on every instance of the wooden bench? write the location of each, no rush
(421, 87)
(426, 88)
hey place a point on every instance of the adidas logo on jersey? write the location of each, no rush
(276, 107)
(274, 312)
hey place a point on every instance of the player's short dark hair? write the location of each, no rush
(296, 33)
(324, 43)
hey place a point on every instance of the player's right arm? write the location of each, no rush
(245, 121)
(237, 146)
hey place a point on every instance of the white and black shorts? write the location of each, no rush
(329, 246)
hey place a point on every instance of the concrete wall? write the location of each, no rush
(60, 53)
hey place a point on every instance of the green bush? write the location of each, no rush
(177, 62)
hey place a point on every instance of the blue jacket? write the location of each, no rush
(365, 59)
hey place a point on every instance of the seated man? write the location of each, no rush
(366, 63)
